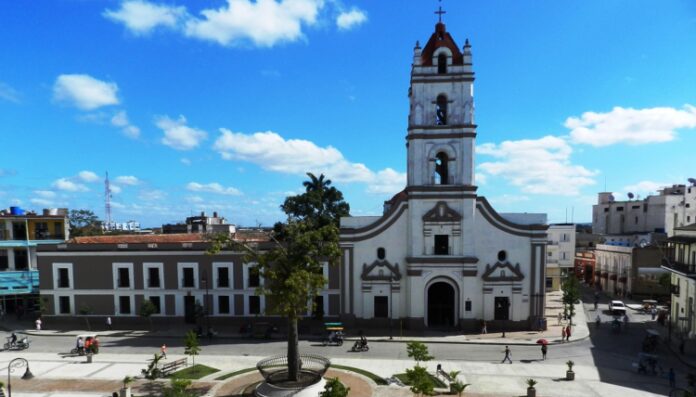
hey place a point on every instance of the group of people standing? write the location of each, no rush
(565, 333)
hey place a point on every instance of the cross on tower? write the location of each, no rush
(439, 13)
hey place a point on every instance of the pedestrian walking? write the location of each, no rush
(560, 317)
(163, 351)
(38, 324)
(625, 320)
(563, 334)
(672, 378)
(568, 333)
(507, 355)
(108, 322)
(653, 312)
(544, 350)
(595, 305)
(484, 327)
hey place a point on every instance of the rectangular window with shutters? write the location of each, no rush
(64, 305)
(123, 277)
(124, 305)
(467, 306)
(224, 304)
(254, 278)
(254, 304)
(381, 306)
(153, 277)
(63, 278)
(157, 303)
(188, 279)
(223, 277)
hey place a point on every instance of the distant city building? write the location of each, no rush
(201, 224)
(560, 254)
(585, 263)
(680, 260)
(630, 271)
(674, 206)
(21, 232)
(130, 226)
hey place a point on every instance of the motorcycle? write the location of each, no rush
(20, 344)
(334, 338)
(360, 346)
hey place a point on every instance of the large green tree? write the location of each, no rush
(571, 295)
(84, 223)
(292, 264)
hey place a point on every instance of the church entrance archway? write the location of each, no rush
(441, 305)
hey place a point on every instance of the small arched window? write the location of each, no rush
(502, 256)
(441, 110)
(441, 169)
(442, 63)
(381, 253)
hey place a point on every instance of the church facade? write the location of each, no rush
(440, 256)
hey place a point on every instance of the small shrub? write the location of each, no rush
(570, 364)
(531, 383)
(421, 383)
(334, 388)
(458, 387)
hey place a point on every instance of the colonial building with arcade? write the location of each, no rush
(440, 256)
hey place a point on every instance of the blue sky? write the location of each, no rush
(223, 105)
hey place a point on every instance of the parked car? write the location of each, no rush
(617, 308)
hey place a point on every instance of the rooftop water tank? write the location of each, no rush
(16, 211)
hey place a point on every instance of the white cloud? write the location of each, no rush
(40, 201)
(185, 161)
(539, 166)
(272, 152)
(115, 189)
(387, 181)
(264, 23)
(351, 19)
(84, 91)
(88, 176)
(152, 195)
(129, 180)
(45, 193)
(8, 93)
(645, 188)
(508, 199)
(69, 186)
(631, 126)
(292, 156)
(480, 178)
(120, 120)
(213, 187)
(194, 199)
(178, 135)
(141, 17)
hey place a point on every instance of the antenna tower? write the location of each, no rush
(107, 201)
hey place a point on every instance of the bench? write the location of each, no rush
(172, 366)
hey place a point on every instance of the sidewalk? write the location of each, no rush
(59, 377)
(552, 334)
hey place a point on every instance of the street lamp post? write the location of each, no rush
(16, 364)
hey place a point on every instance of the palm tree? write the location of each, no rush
(316, 184)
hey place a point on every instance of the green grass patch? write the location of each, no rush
(378, 380)
(195, 372)
(437, 382)
(235, 373)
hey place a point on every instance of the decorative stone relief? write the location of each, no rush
(503, 271)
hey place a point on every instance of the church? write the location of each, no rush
(440, 257)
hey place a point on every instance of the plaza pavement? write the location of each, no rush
(552, 334)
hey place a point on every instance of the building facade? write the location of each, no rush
(560, 254)
(630, 271)
(113, 275)
(440, 256)
(674, 206)
(680, 260)
(21, 233)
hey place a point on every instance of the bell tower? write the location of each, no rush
(441, 130)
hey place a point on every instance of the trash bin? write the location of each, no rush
(89, 358)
